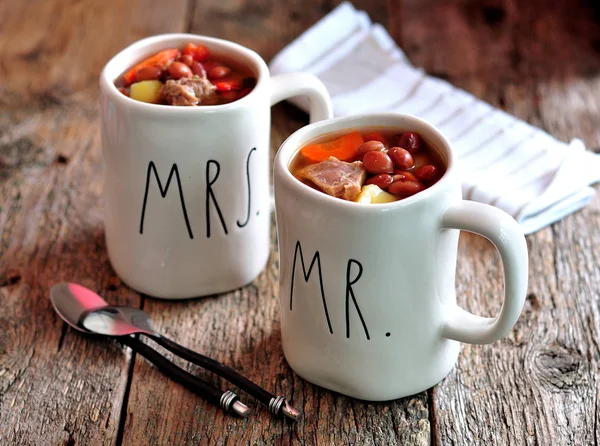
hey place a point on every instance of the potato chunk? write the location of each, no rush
(370, 193)
(145, 91)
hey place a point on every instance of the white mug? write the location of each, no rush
(367, 295)
(186, 191)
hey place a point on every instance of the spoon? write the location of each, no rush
(123, 321)
(73, 302)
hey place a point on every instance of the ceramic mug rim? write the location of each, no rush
(299, 138)
(140, 49)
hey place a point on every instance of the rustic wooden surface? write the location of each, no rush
(540, 385)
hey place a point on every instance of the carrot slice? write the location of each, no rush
(189, 49)
(199, 52)
(343, 148)
(376, 136)
(161, 60)
(202, 53)
(229, 85)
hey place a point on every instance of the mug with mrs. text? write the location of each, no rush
(186, 191)
(367, 291)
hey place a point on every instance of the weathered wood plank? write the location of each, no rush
(242, 328)
(56, 386)
(267, 26)
(540, 384)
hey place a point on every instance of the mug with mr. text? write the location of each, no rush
(367, 291)
(186, 192)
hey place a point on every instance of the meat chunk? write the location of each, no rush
(188, 91)
(337, 178)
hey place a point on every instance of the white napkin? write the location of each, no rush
(503, 161)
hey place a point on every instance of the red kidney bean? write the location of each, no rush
(405, 187)
(218, 72)
(198, 69)
(427, 173)
(148, 74)
(411, 142)
(401, 157)
(208, 64)
(383, 180)
(186, 59)
(400, 175)
(378, 162)
(370, 146)
(177, 70)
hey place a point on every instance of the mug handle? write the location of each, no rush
(288, 85)
(285, 86)
(507, 236)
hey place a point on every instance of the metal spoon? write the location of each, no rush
(73, 303)
(121, 321)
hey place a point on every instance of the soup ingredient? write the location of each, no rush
(383, 180)
(188, 91)
(198, 69)
(146, 91)
(244, 92)
(378, 162)
(401, 157)
(427, 173)
(218, 72)
(382, 174)
(343, 148)
(405, 188)
(228, 85)
(161, 60)
(403, 176)
(370, 146)
(148, 74)
(186, 59)
(337, 178)
(375, 136)
(229, 95)
(198, 52)
(227, 80)
(370, 193)
(177, 70)
(410, 141)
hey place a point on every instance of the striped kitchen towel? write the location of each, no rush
(503, 161)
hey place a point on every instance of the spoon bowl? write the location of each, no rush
(72, 302)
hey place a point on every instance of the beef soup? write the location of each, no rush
(369, 166)
(189, 76)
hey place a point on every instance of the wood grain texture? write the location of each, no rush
(56, 386)
(540, 384)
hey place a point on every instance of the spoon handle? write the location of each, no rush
(228, 401)
(277, 404)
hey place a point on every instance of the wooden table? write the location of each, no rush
(540, 385)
